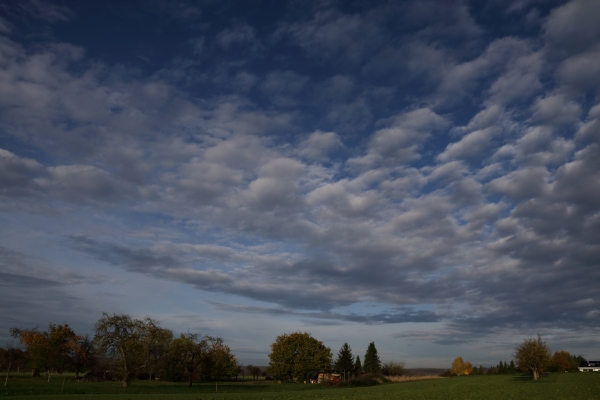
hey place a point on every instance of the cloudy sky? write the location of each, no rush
(422, 174)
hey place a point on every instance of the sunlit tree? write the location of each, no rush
(457, 366)
(294, 356)
(533, 355)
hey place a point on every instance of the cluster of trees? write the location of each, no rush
(57, 349)
(297, 356)
(460, 367)
(127, 347)
(533, 355)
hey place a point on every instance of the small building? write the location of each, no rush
(589, 366)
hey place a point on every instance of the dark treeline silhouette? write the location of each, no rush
(122, 348)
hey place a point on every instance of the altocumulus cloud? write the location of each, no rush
(329, 166)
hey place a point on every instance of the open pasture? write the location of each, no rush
(579, 386)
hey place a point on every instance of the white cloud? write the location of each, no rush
(556, 110)
(318, 145)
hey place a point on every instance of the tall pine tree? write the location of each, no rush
(345, 360)
(372, 362)
(357, 366)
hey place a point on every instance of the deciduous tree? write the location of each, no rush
(48, 350)
(254, 371)
(188, 352)
(467, 368)
(126, 340)
(533, 355)
(457, 366)
(293, 356)
(372, 364)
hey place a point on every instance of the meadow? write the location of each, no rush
(579, 386)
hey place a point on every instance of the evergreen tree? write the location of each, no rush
(345, 360)
(511, 368)
(501, 367)
(357, 365)
(372, 362)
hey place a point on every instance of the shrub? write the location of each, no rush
(393, 369)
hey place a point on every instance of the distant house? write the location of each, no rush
(589, 366)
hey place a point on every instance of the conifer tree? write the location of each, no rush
(345, 360)
(372, 362)
(357, 365)
(511, 368)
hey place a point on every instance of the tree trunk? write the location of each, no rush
(8, 370)
(191, 378)
(125, 382)
(535, 374)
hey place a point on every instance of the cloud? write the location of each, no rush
(399, 144)
(556, 110)
(572, 26)
(318, 145)
(405, 166)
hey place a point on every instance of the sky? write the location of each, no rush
(419, 174)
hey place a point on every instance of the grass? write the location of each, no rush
(576, 386)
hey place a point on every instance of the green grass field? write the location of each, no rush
(576, 386)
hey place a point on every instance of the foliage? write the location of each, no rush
(48, 350)
(254, 371)
(393, 368)
(345, 360)
(358, 366)
(372, 364)
(158, 347)
(364, 380)
(82, 355)
(564, 361)
(127, 341)
(187, 352)
(220, 361)
(533, 355)
(11, 358)
(294, 356)
(457, 366)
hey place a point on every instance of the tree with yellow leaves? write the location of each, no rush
(49, 350)
(460, 367)
(457, 366)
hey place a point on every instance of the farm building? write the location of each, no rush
(589, 366)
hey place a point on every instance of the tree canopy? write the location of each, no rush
(294, 356)
(127, 340)
(533, 355)
(48, 350)
(188, 352)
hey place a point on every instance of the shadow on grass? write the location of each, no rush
(529, 379)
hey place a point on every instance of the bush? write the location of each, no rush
(393, 369)
(365, 380)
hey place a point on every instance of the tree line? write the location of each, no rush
(533, 355)
(299, 357)
(122, 348)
